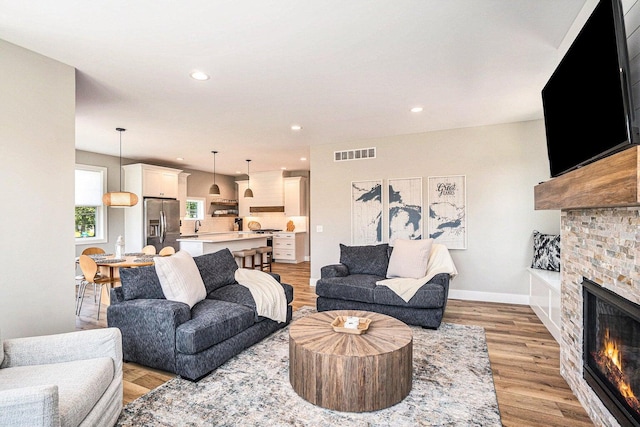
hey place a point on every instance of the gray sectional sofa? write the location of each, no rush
(168, 335)
(351, 285)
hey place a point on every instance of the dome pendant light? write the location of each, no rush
(120, 199)
(248, 192)
(214, 190)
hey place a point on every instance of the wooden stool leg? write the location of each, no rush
(241, 257)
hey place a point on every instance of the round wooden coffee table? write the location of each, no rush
(349, 372)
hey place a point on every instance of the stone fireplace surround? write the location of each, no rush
(603, 245)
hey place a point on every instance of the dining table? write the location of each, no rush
(128, 260)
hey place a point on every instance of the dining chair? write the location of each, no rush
(167, 250)
(92, 250)
(89, 270)
(149, 250)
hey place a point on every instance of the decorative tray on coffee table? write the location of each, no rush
(363, 325)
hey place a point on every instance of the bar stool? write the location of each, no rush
(265, 256)
(243, 254)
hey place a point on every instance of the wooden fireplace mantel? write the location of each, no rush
(606, 183)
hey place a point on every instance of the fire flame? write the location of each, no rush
(610, 359)
(611, 350)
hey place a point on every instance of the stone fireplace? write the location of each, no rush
(602, 245)
(600, 241)
(611, 351)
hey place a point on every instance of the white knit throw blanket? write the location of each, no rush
(268, 294)
(439, 262)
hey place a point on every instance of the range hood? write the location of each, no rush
(263, 209)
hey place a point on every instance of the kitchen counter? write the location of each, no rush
(205, 243)
(230, 236)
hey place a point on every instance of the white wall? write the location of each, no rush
(37, 128)
(502, 164)
(115, 216)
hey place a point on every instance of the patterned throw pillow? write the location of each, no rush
(546, 251)
(140, 283)
(217, 269)
(373, 259)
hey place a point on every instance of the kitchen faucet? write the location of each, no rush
(196, 226)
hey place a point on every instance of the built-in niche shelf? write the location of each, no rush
(607, 183)
(223, 208)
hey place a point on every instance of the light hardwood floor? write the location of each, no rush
(525, 359)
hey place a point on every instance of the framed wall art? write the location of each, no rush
(447, 222)
(405, 209)
(366, 212)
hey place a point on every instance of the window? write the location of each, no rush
(195, 208)
(91, 221)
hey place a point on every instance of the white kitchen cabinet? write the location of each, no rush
(145, 181)
(243, 204)
(151, 181)
(159, 183)
(295, 196)
(182, 192)
(288, 247)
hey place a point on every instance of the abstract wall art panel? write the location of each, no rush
(448, 210)
(405, 209)
(366, 212)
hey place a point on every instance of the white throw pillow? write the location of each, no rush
(409, 258)
(180, 278)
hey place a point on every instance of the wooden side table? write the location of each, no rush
(348, 372)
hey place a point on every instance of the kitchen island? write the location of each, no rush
(206, 243)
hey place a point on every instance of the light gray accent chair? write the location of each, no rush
(70, 379)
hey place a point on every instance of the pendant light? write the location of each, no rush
(120, 199)
(248, 192)
(214, 190)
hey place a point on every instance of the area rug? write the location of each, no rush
(452, 386)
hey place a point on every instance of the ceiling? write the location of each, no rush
(344, 70)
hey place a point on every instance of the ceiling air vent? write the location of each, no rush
(357, 154)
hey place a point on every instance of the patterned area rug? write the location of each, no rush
(452, 386)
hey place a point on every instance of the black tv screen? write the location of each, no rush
(588, 112)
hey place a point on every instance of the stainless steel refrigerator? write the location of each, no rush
(162, 223)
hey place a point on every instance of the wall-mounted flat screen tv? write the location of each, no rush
(587, 104)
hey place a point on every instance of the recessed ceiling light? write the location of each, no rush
(199, 75)
(296, 127)
(303, 159)
(284, 168)
(179, 159)
(416, 109)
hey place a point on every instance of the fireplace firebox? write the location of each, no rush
(611, 351)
